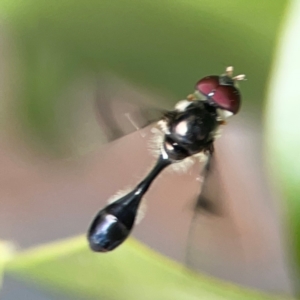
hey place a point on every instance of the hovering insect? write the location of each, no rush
(187, 131)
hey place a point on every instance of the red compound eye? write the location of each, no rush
(224, 96)
(207, 84)
(227, 97)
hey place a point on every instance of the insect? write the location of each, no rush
(187, 131)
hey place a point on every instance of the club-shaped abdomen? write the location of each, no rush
(113, 224)
(106, 232)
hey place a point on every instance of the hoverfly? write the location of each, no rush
(187, 131)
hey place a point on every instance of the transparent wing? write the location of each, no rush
(122, 110)
(208, 200)
(214, 244)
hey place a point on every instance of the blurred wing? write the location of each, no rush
(214, 244)
(121, 110)
(208, 200)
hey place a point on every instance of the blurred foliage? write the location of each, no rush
(282, 122)
(131, 272)
(163, 45)
(6, 253)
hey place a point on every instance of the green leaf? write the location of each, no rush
(6, 253)
(130, 272)
(283, 126)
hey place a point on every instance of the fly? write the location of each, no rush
(188, 131)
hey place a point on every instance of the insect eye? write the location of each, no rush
(207, 84)
(225, 96)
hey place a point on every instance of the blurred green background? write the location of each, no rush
(51, 51)
(165, 46)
